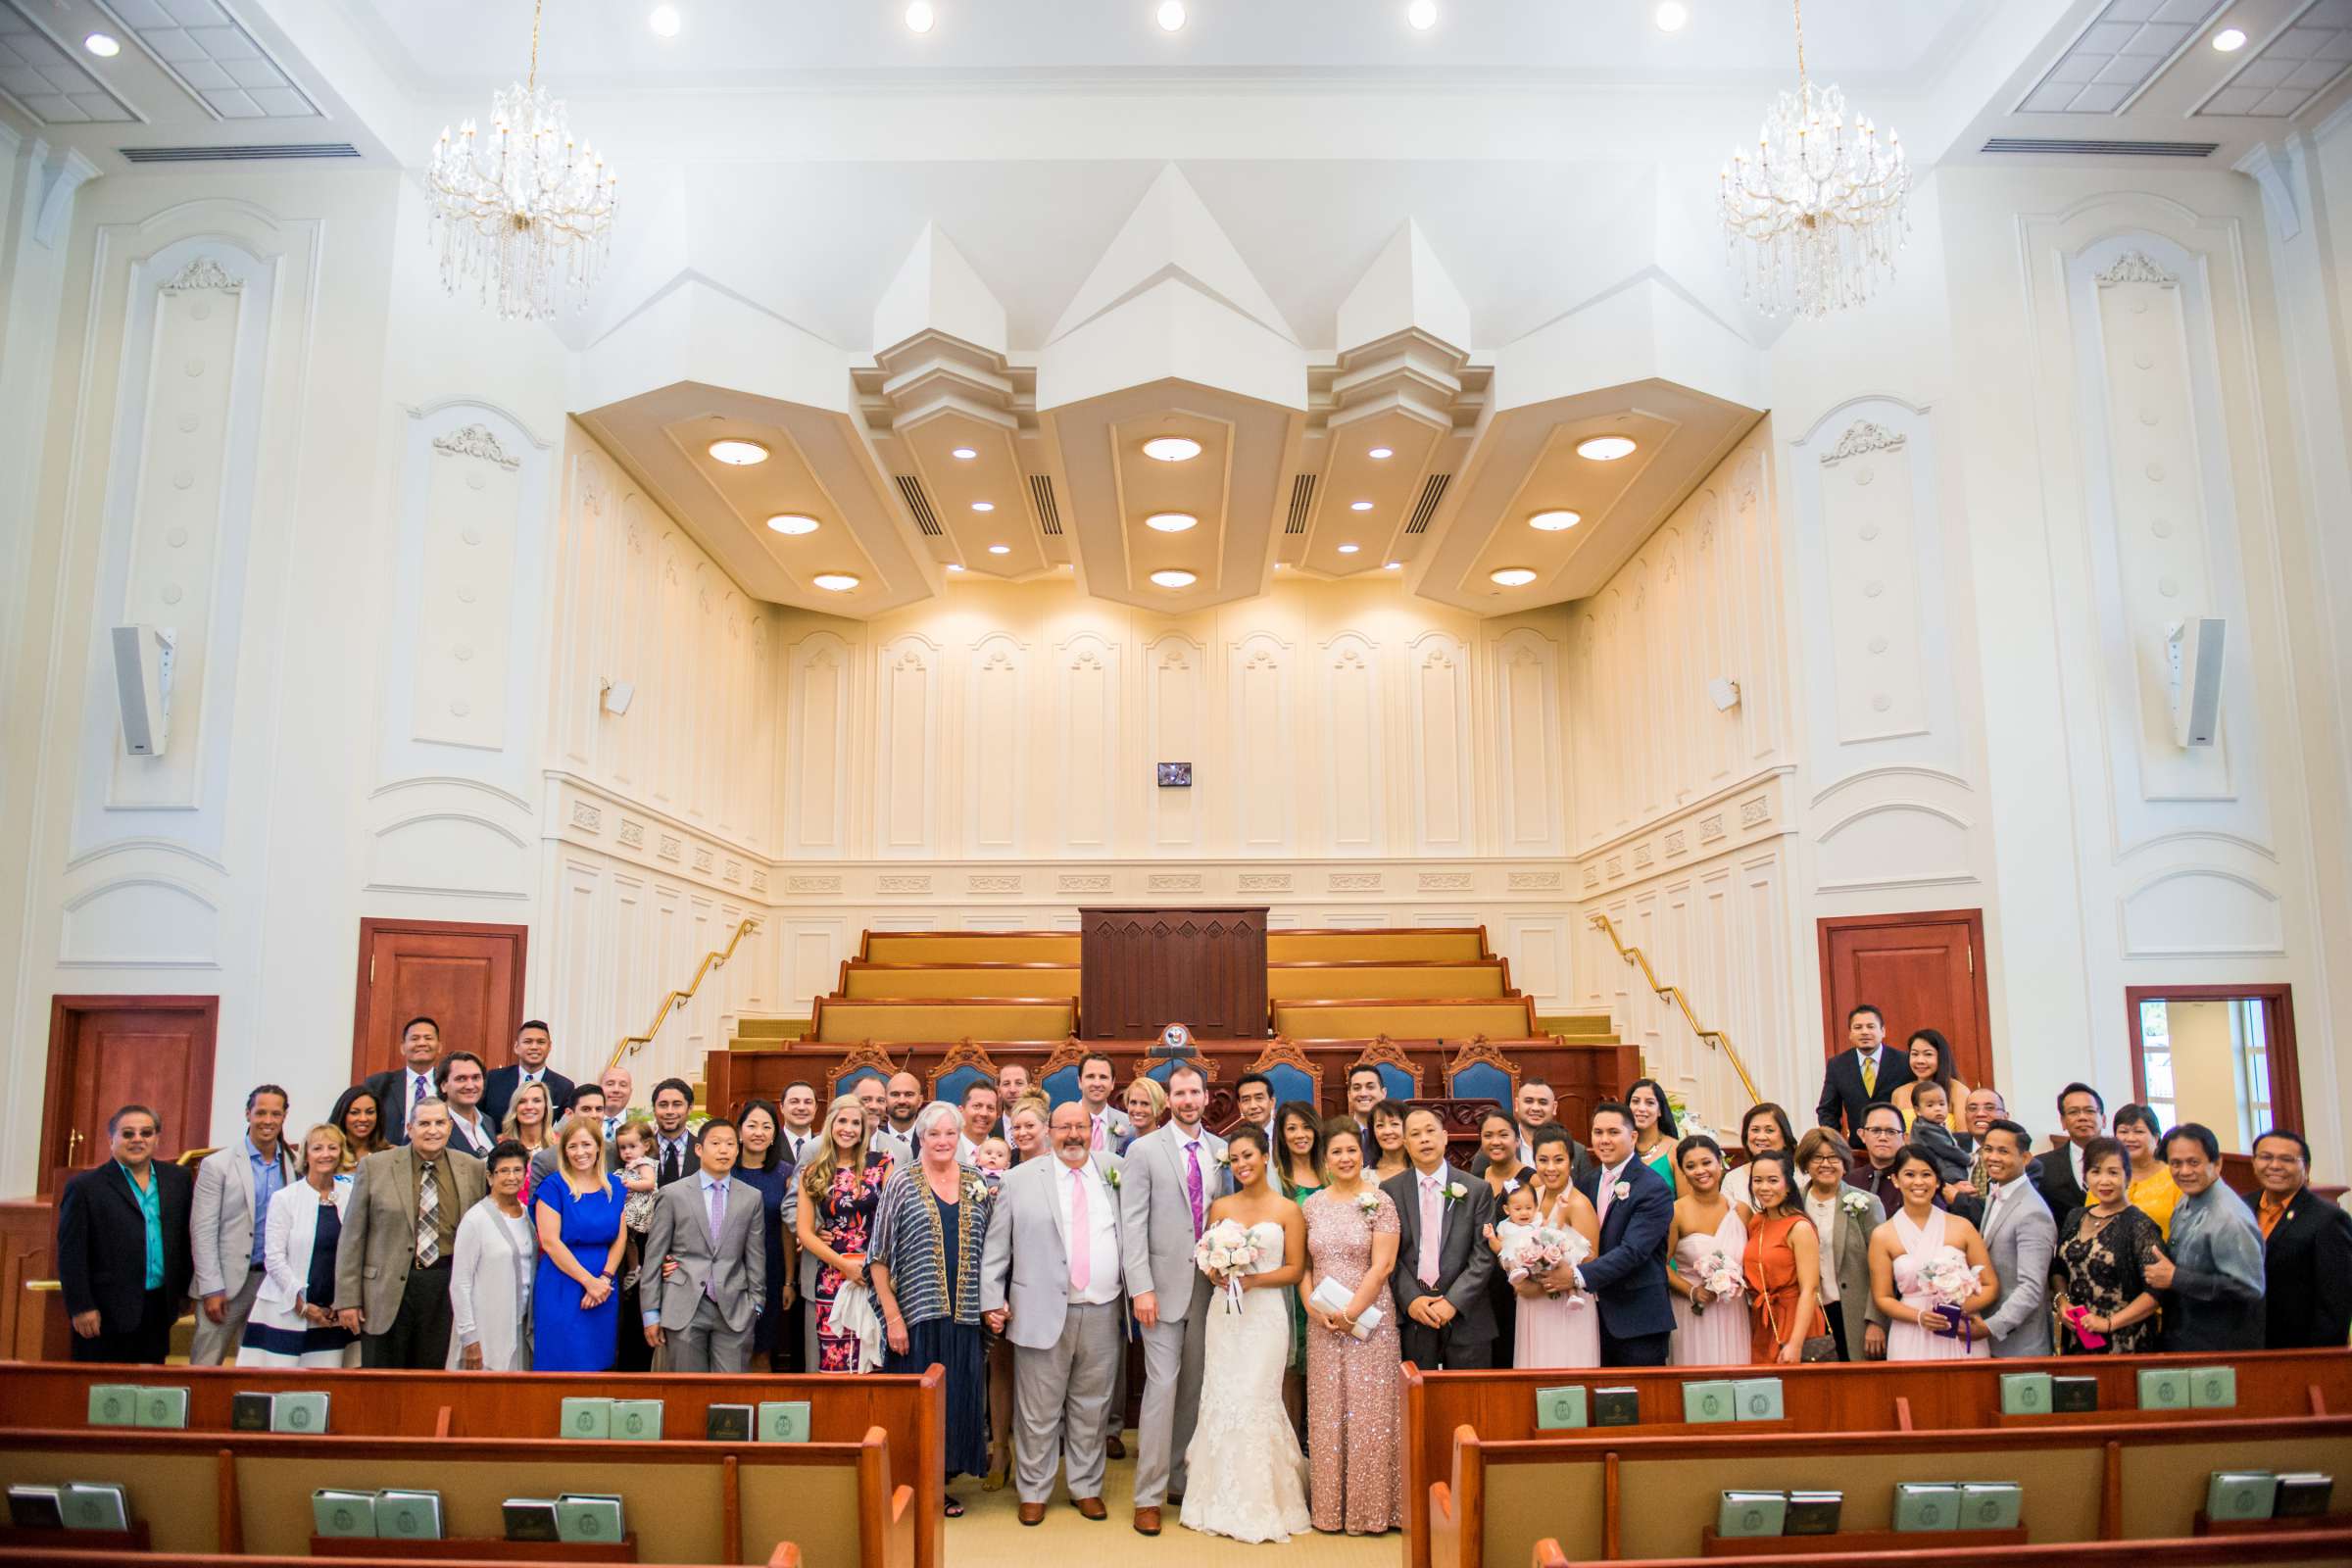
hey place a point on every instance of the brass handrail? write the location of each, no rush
(678, 998)
(1722, 1040)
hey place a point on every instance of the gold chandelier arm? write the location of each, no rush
(539, 6)
(1797, 6)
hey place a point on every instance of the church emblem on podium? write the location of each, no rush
(1176, 1041)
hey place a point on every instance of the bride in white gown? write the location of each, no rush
(1246, 1478)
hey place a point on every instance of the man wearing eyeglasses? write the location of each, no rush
(1881, 1141)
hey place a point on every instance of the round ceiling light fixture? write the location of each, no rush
(665, 22)
(1381, 454)
(955, 565)
(1348, 549)
(738, 454)
(984, 506)
(1172, 448)
(1174, 578)
(999, 549)
(1671, 16)
(1359, 506)
(1558, 520)
(103, 44)
(1394, 566)
(1170, 16)
(2229, 40)
(1422, 14)
(834, 582)
(920, 16)
(1605, 448)
(795, 523)
(1171, 521)
(963, 454)
(1513, 576)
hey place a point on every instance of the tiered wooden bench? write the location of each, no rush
(969, 947)
(1386, 979)
(839, 1020)
(862, 980)
(867, 1488)
(1417, 944)
(1448, 1017)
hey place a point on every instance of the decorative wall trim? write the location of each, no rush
(476, 441)
(204, 272)
(587, 817)
(1353, 882)
(994, 882)
(1083, 882)
(903, 884)
(633, 834)
(1860, 437)
(1535, 881)
(1175, 882)
(1448, 882)
(807, 886)
(1264, 881)
(2134, 267)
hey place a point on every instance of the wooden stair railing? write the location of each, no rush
(631, 1044)
(1674, 994)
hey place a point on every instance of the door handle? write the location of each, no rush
(74, 1146)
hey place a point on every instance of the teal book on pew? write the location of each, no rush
(1557, 1409)
(589, 1517)
(587, 1418)
(343, 1515)
(784, 1421)
(402, 1515)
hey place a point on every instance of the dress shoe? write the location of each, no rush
(1033, 1513)
(1114, 1446)
(1147, 1521)
(1089, 1508)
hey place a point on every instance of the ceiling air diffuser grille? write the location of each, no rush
(254, 153)
(1048, 514)
(1302, 504)
(925, 521)
(2074, 147)
(1433, 491)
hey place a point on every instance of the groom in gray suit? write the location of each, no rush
(1170, 1178)
(1050, 1282)
(2020, 1236)
(710, 1226)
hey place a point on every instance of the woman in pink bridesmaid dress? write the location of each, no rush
(1710, 1328)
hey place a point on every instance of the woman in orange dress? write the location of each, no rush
(1782, 1264)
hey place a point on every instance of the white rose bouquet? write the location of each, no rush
(1226, 1251)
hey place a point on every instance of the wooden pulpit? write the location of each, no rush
(1139, 970)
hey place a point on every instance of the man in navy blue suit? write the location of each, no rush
(1627, 1272)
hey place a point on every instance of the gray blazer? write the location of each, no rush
(736, 1269)
(1846, 1253)
(378, 1245)
(2020, 1237)
(1026, 1265)
(1464, 1259)
(1155, 1217)
(220, 1217)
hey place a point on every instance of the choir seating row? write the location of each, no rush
(1484, 1483)
(2329, 1547)
(1370, 980)
(894, 1020)
(865, 1490)
(1433, 944)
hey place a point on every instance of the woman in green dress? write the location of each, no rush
(1298, 1175)
(1654, 1132)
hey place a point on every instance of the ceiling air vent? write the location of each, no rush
(1433, 491)
(925, 521)
(1049, 515)
(1303, 503)
(2074, 147)
(248, 154)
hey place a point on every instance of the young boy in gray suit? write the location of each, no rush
(706, 1232)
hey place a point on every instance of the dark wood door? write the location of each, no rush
(1924, 972)
(467, 978)
(110, 1052)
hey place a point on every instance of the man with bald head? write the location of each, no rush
(902, 1098)
(617, 1086)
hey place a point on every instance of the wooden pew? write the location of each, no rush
(2295, 1548)
(894, 981)
(1498, 1018)
(1386, 980)
(395, 1554)
(873, 1439)
(1433, 942)
(959, 947)
(1862, 1396)
(840, 1020)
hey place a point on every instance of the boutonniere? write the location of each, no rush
(1222, 1163)
(1855, 1203)
(1622, 1190)
(1454, 1194)
(1110, 1175)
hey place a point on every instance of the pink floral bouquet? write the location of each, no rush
(1949, 1279)
(1719, 1277)
(1226, 1248)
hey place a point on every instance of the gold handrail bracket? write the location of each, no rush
(630, 1044)
(1674, 994)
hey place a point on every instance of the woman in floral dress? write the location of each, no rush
(1354, 1388)
(2102, 1249)
(840, 1186)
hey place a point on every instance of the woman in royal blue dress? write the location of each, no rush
(574, 1306)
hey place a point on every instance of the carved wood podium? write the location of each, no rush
(1139, 970)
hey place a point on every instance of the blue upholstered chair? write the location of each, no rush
(1293, 1076)
(950, 1084)
(1482, 1073)
(1400, 1080)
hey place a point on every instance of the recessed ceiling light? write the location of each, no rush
(102, 44)
(1396, 565)
(1171, 521)
(999, 549)
(1671, 16)
(2229, 40)
(1381, 454)
(963, 454)
(1173, 579)
(663, 22)
(1513, 576)
(1605, 448)
(1554, 521)
(1348, 549)
(834, 582)
(1359, 506)
(920, 15)
(1171, 14)
(793, 522)
(1172, 448)
(1422, 14)
(738, 454)
(984, 506)
(955, 565)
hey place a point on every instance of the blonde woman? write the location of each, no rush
(575, 1305)
(840, 1185)
(531, 1122)
(1146, 1104)
(293, 1323)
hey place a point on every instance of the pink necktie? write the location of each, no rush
(1099, 1132)
(1430, 1225)
(1606, 1185)
(1082, 1248)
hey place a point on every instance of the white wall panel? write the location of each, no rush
(907, 748)
(817, 756)
(1354, 751)
(997, 745)
(1438, 744)
(1263, 760)
(1175, 700)
(1087, 683)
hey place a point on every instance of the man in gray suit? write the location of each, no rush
(2020, 1236)
(1050, 1283)
(1170, 1178)
(400, 1229)
(226, 1220)
(710, 1227)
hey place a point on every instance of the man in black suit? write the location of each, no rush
(398, 1091)
(1626, 1273)
(1860, 1078)
(532, 1042)
(123, 1257)
(675, 1143)
(2058, 1172)
(2306, 1250)
(1442, 1261)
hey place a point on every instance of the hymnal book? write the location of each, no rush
(1332, 1296)
(163, 1407)
(1750, 1513)
(2025, 1394)
(637, 1420)
(588, 1516)
(1927, 1506)
(93, 1505)
(1708, 1400)
(1991, 1504)
(250, 1412)
(2073, 1395)
(113, 1405)
(2303, 1494)
(2163, 1388)
(299, 1412)
(1557, 1409)
(343, 1515)
(2240, 1495)
(784, 1421)
(408, 1515)
(587, 1417)
(1757, 1399)
(727, 1423)
(2212, 1388)
(35, 1508)
(1616, 1407)
(1813, 1513)
(530, 1518)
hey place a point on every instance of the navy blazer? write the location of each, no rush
(498, 1091)
(1626, 1274)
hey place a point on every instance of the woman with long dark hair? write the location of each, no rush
(1765, 1126)
(1929, 1058)
(360, 1118)
(1654, 1132)
(760, 1128)
(2148, 1184)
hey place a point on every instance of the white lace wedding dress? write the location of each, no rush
(1246, 1475)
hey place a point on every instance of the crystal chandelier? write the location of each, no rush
(1817, 213)
(524, 213)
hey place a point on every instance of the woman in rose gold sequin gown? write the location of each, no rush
(1354, 1388)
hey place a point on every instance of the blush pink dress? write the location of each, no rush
(1556, 1331)
(1719, 1335)
(1354, 1388)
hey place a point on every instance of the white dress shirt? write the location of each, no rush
(1101, 1238)
(477, 1136)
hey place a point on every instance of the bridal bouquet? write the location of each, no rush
(1543, 1250)
(1226, 1248)
(1948, 1280)
(1719, 1277)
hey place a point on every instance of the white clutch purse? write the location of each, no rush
(1332, 1296)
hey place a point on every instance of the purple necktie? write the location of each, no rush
(1191, 1183)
